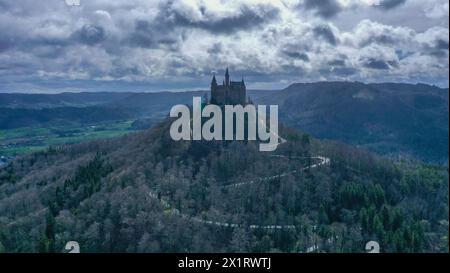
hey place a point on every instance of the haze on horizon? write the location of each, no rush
(142, 45)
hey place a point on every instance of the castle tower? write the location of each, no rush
(214, 82)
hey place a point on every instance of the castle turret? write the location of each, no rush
(214, 82)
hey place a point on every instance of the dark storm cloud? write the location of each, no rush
(439, 49)
(247, 18)
(148, 35)
(323, 8)
(442, 45)
(88, 34)
(216, 48)
(143, 34)
(376, 64)
(384, 39)
(3, 6)
(121, 71)
(325, 33)
(91, 34)
(340, 71)
(4, 45)
(344, 71)
(296, 55)
(390, 4)
(171, 23)
(402, 54)
(297, 50)
(26, 42)
(339, 67)
(337, 63)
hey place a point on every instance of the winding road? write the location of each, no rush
(166, 205)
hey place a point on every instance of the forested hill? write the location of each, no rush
(146, 193)
(406, 120)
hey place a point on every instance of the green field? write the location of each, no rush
(23, 140)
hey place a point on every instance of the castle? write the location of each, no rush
(231, 93)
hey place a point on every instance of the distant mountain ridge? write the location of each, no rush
(40, 101)
(395, 119)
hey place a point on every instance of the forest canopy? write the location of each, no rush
(145, 192)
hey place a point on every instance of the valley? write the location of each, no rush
(23, 140)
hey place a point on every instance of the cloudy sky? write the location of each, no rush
(151, 45)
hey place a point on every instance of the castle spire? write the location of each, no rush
(227, 77)
(214, 82)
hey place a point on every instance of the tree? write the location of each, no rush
(240, 240)
(49, 235)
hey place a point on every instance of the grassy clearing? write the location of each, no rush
(24, 140)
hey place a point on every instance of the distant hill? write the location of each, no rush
(22, 110)
(390, 118)
(147, 193)
(14, 118)
(155, 104)
(40, 101)
(159, 104)
(83, 99)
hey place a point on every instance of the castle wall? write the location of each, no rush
(218, 94)
(237, 95)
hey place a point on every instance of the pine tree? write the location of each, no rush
(50, 233)
(240, 240)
